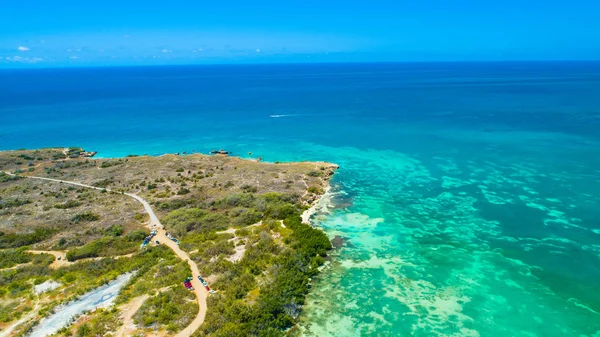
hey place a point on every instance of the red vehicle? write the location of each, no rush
(207, 288)
(188, 285)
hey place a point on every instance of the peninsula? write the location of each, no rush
(203, 245)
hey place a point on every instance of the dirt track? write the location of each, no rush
(199, 290)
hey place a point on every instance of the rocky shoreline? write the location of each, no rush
(322, 202)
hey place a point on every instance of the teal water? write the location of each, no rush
(469, 193)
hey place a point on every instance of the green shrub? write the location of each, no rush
(7, 312)
(5, 177)
(115, 230)
(183, 191)
(85, 217)
(241, 217)
(249, 188)
(68, 204)
(12, 257)
(103, 183)
(136, 236)
(314, 190)
(173, 204)
(15, 202)
(26, 157)
(84, 330)
(110, 163)
(314, 174)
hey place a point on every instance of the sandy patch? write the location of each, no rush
(127, 311)
(46, 286)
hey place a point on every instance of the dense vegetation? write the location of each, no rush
(174, 308)
(157, 267)
(108, 246)
(158, 274)
(262, 294)
(14, 240)
(237, 210)
(105, 320)
(11, 257)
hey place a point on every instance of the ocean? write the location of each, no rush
(468, 193)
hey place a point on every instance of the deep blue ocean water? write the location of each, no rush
(469, 192)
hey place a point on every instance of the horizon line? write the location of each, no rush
(217, 64)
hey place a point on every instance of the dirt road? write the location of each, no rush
(199, 290)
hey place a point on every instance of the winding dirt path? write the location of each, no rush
(199, 290)
(57, 254)
(128, 310)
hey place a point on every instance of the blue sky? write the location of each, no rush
(130, 32)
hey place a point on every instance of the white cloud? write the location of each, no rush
(166, 51)
(22, 48)
(257, 50)
(73, 57)
(24, 59)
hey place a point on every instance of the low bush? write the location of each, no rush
(114, 230)
(103, 183)
(85, 217)
(12, 257)
(110, 163)
(68, 204)
(136, 236)
(13, 202)
(315, 190)
(314, 174)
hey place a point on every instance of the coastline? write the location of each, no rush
(324, 201)
(321, 205)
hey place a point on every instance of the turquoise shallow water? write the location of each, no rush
(469, 193)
